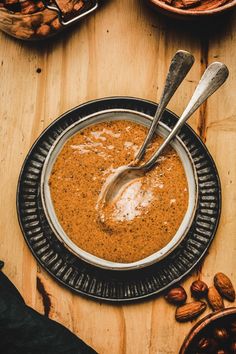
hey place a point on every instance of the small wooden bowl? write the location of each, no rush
(193, 13)
(202, 326)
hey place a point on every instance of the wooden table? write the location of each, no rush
(124, 49)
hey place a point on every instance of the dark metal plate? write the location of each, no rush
(116, 285)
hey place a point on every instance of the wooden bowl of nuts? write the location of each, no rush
(192, 9)
(215, 333)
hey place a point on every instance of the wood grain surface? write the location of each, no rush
(123, 49)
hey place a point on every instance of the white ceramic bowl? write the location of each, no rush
(163, 130)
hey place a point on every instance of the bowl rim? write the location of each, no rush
(194, 13)
(201, 324)
(86, 256)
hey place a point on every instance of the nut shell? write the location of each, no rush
(190, 311)
(214, 299)
(224, 285)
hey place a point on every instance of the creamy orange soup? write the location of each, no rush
(147, 214)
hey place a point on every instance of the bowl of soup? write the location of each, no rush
(151, 215)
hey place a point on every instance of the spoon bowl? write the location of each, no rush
(118, 181)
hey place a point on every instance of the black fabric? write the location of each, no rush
(25, 331)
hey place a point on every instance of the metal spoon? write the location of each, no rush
(214, 76)
(180, 65)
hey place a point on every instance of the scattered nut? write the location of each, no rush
(190, 311)
(24, 33)
(36, 21)
(66, 7)
(233, 328)
(176, 296)
(43, 30)
(214, 299)
(221, 334)
(78, 6)
(207, 345)
(48, 16)
(33, 21)
(27, 7)
(55, 24)
(224, 285)
(222, 351)
(233, 347)
(40, 5)
(199, 289)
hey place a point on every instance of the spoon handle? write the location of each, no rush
(213, 77)
(180, 65)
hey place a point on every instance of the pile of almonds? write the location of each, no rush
(222, 288)
(29, 19)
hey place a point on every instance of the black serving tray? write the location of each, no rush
(116, 286)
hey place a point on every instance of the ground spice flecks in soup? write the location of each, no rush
(145, 217)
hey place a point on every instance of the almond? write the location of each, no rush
(189, 311)
(214, 299)
(224, 286)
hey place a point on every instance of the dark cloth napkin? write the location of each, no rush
(25, 331)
